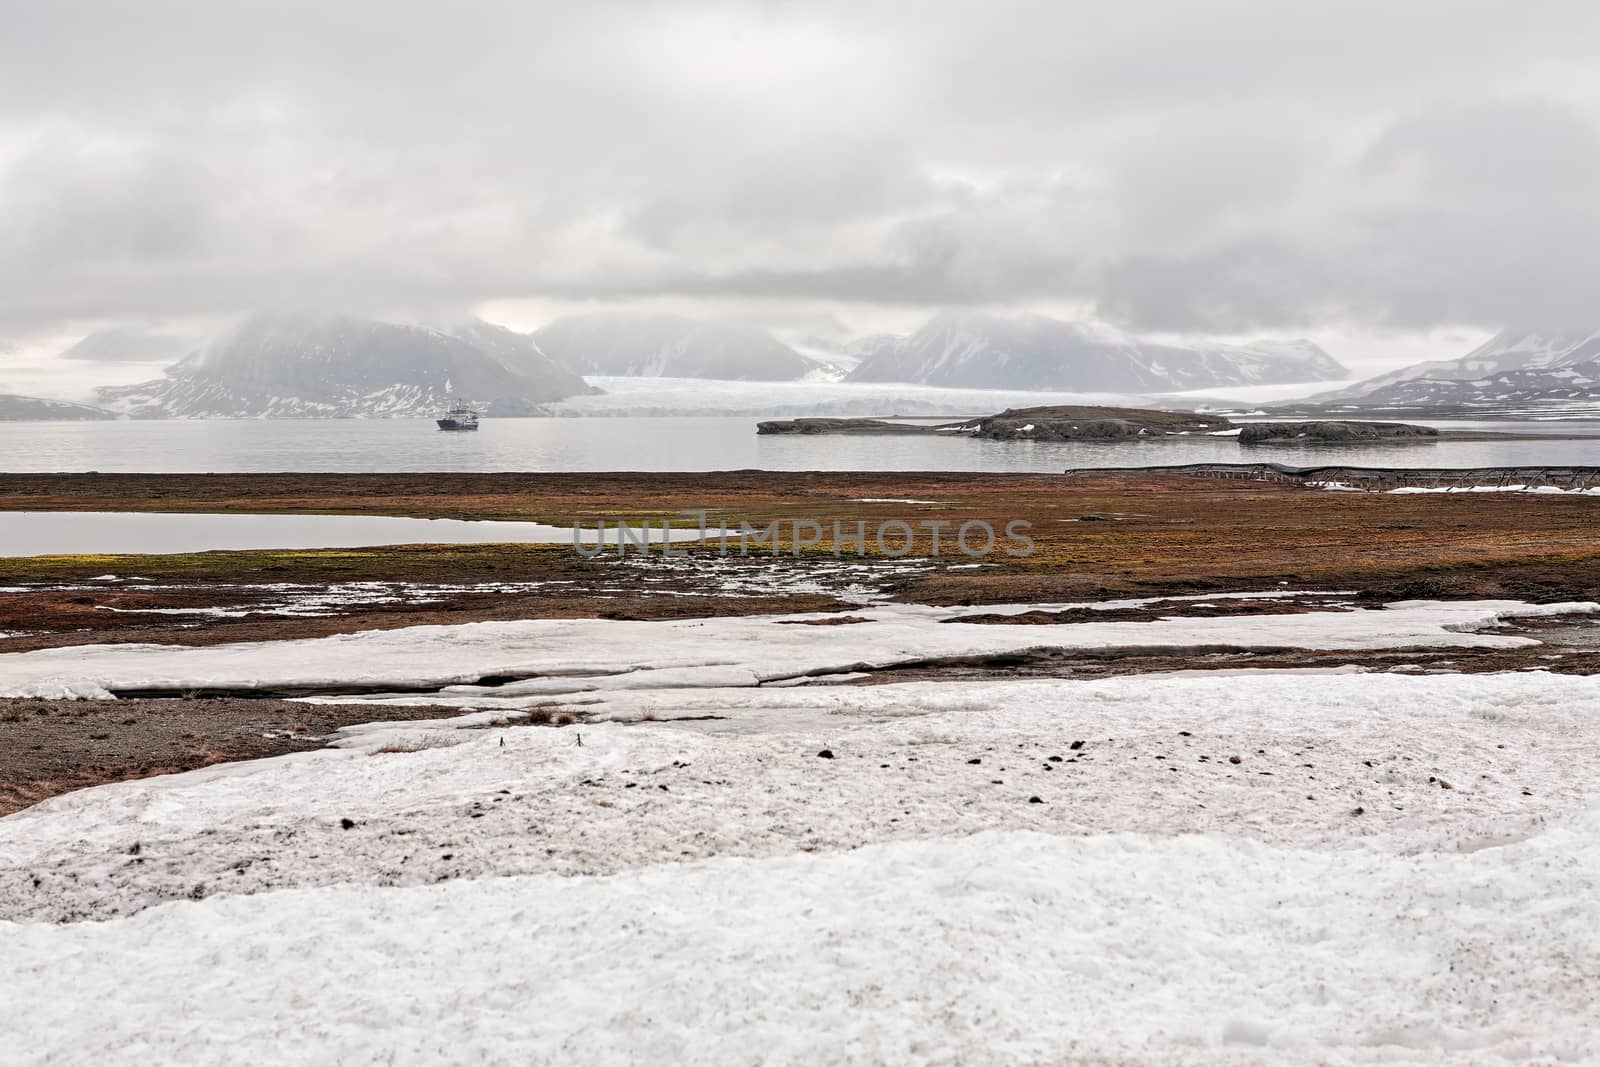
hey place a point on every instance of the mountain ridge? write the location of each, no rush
(117, 346)
(15, 407)
(1517, 365)
(1037, 352)
(669, 346)
(312, 365)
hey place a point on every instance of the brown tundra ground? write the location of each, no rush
(1095, 537)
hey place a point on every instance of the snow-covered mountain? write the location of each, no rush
(831, 361)
(873, 345)
(670, 346)
(15, 408)
(1515, 366)
(300, 365)
(118, 346)
(518, 351)
(1037, 352)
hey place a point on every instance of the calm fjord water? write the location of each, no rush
(676, 444)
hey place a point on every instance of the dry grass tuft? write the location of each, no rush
(419, 744)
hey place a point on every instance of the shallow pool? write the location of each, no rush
(53, 533)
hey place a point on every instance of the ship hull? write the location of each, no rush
(456, 424)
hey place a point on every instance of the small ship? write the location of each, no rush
(459, 417)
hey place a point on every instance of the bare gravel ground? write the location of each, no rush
(48, 747)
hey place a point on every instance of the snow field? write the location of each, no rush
(590, 653)
(753, 784)
(1251, 867)
(998, 947)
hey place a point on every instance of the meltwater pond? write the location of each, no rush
(56, 533)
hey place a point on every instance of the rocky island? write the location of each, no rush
(811, 426)
(1332, 433)
(1080, 423)
(1050, 423)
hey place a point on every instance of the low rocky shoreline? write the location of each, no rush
(1075, 423)
(1334, 432)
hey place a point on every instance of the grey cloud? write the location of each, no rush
(1216, 165)
(1479, 213)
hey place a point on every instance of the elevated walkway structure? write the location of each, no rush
(1373, 479)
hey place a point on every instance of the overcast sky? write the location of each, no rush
(1386, 170)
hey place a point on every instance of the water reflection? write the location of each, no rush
(686, 444)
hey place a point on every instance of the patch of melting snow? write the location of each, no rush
(1144, 602)
(895, 500)
(297, 600)
(589, 654)
(808, 679)
(853, 581)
